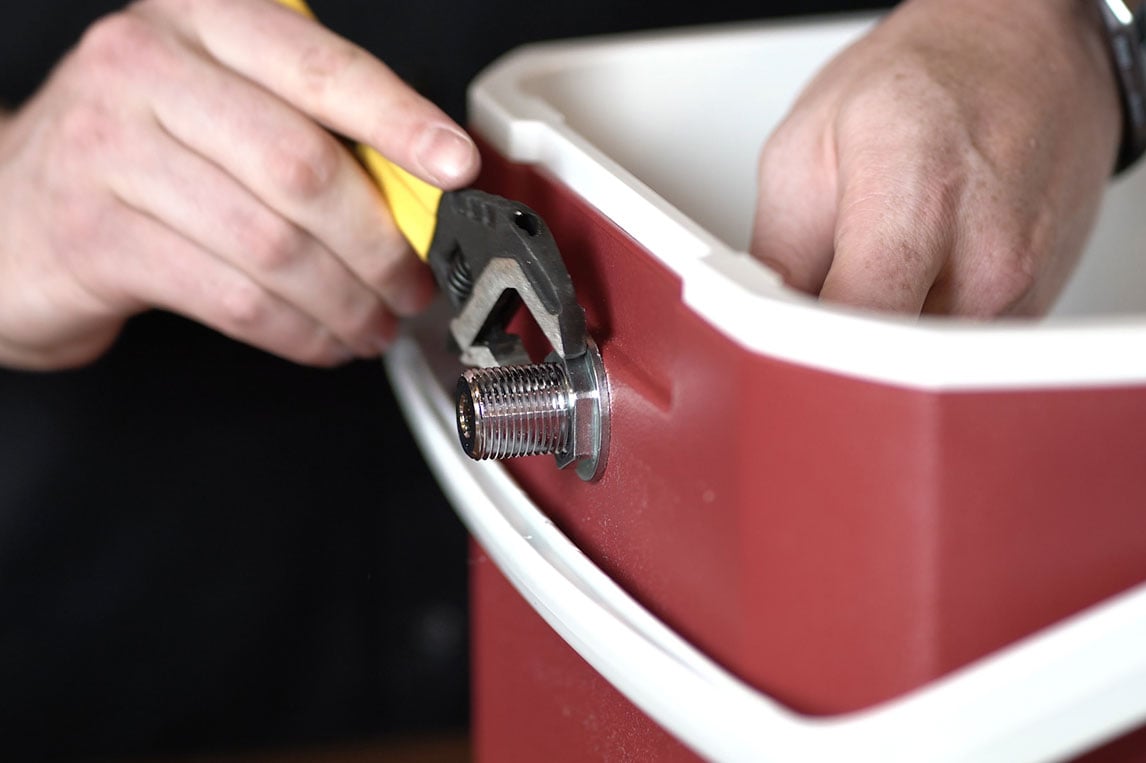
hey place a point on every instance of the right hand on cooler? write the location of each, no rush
(951, 161)
(180, 158)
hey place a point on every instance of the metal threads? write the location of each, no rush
(560, 407)
(511, 411)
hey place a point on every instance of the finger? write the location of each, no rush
(337, 83)
(298, 170)
(163, 269)
(204, 204)
(896, 224)
(991, 273)
(796, 206)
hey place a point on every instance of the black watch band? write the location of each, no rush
(1124, 35)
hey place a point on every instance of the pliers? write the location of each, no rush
(489, 256)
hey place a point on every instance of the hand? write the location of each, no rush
(952, 161)
(177, 158)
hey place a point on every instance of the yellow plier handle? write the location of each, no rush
(412, 201)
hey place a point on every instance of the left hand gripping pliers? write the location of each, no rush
(490, 256)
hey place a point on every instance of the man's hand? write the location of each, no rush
(952, 161)
(177, 158)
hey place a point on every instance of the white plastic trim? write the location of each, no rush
(510, 108)
(1049, 697)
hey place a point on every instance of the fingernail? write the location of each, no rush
(447, 155)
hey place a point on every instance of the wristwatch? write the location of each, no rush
(1124, 25)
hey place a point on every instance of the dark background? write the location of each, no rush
(203, 547)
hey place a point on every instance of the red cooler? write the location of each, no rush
(822, 534)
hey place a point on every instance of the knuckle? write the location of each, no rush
(308, 167)
(993, 275)
(1012, 279)
(273, 243)
(116, 42)
(245, 305)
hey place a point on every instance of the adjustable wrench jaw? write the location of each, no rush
(491, 255)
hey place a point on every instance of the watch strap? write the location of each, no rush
(1124, 34)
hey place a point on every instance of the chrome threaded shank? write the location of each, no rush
(560, 407)
(511, 411)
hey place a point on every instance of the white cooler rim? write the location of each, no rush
(1050, 696)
